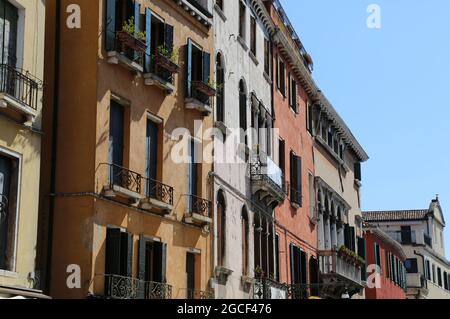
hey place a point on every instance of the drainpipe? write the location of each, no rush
(54, 144)
(423, 264)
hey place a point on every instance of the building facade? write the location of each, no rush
(421, 234)
(248, 183)
(386, 259)
(296, 226)
(21, 74)
(129, 98)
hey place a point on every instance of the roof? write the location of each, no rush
(395, 215)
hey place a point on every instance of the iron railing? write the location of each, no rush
(123, 177)
(159, 191)
(200, 206)
(194, 294)
(257, 174)
(120, 287)
(128, 45)
(332, 263)
(19, 85)
(265, 288)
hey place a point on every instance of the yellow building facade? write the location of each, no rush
(21, 71)
(121, 215)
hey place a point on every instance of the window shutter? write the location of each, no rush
(303, 268)
(352, 239)
(294, 95)
(159, 275)
(292, 253)
(293, 176)
(291, 103)
(347, 236)
(148, 39)
(189, 69)
(137, 25)
(112, 262)
(299, 180)
(164, 263)
(142, 265)
(126, 255)
(168, 38)
(361, 247)
(206, 67)
(110, 25)
(358, 171)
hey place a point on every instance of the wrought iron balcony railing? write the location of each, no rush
(265, 288)
(123, 177)
(276, 181)
(199, 206)
(120, 287)
(128, 45)
(304, 291)
(19, 85)
(159, 191)
(194, 294)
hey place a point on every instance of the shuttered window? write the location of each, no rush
(9, 16)
(296, 179)
(119, 253)
(293, 93)
(198, 69)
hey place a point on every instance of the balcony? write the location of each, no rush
(119, 287)
(159, 197)
(162, 73)
(200, 99)
(268, 182)
(194, 294)
(128, 51)
(265, 289)
(340, 272)
(198, 212)
(122, 183)
(304, 291)
(18, 94)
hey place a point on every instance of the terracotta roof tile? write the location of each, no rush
(395, 215)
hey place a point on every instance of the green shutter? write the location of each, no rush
(148, 40)
(206, 58)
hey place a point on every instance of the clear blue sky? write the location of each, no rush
(392, 87)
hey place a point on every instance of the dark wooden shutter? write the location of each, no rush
(293, 176)
(299, 180)
(206, 58)
(137, 25)
(159, 273)
(113, 251)
(142, 265)
(126, 255)
(292, 259)
(148, 40)
(110, 36)
(168, 38)
(347, 236)
(294, 95)
(352, 239)
(290, 90)
(189, 64)
(303, 268)
(362, 247)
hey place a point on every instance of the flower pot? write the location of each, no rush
(165, 63)
(204, 88)
(131, 41)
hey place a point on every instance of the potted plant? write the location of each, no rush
(130, 38)
(259, 273)
(167, 60)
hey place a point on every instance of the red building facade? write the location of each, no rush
(296, 234)
(386, 255)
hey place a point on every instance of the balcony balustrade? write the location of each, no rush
(120, 287)
(265, 288)
(19, 92)
(195, 294)
(199, 211)
(129, 51)
(412, 237)
(158, 195)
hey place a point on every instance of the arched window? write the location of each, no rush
(221, 228)
(245, 241)
(243, 111)
(220, 81)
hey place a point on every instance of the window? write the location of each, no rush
(309, 117)
(9, 16)
(427, 270)
(357, 170)
(330, 136)
(198, 71)
(243, 112)
(388, 269)
(312, 196)
(411, 266)
(245, 241)
(446, 282)
(116, 142)
(267, 57)
(377, 255)
(349, 237)
(9, 180)
(118, 258)
(299, 269)
(192, 264)
(194, 167)
(433, 269)
(406, 235)
(281, 77)
(242, 16)
(293, 94)
(296, 179)
(221, 229)
(152, 158)
(282, 156)
(220, 96)
(219, 4)
(152, 264)
(439, 276)
(253, 35)
(277, 257)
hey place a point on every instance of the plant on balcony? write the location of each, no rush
(131, 38)
(167, 60)
(207, 88)
(351, 257)
(259, 272)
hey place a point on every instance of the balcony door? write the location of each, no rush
(193, 173)
(5, 178)
(190, 273)
(152, 158)
(116, 142)
(9, 16)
